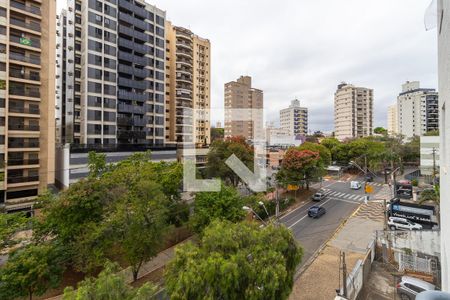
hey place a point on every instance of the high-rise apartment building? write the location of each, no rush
(27, 110)
(353, 111)
(418, 111)
(294, 119)
(243, 109)
(392, 119)
(111, 65)
(188, 87)
(443, 31)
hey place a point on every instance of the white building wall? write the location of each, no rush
(392, 118)
(443, 29)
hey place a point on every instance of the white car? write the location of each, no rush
(396, 223)
(355, 185)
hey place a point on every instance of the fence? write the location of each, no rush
(360, 273)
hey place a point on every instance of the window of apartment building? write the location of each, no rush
(109, 89)
(77, 20)
(159, 109)
(109, 76)
(109, 36)
(95, 46)
(160, 42)
(159, 75)
(2, 67)
(95, 60)
(159, 120)
(94, 18)
(94, 115)
(159, 131)
(159, 53)
(112, 1)
(159, 31)
(109, 103)
(94, 101)
(109, 141)
(77, 73)
(110, 23)
(94, 73)
(2, 30)
(78, 46)
(95, 32)
(109, 116)
(150, 16)
(94, 129)
(96, 5)
(109, 129)
(110, 50)
(159, 87)
(94, 87)
(78, 59)
(78, 33)
(77, 87)
(160, 21)
(76, 128)
(159, 98)
(77, 100)
(109, 10)
(110, 63)
(159, 64)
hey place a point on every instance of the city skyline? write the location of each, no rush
(304, 59)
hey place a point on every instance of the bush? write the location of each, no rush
(415, 182)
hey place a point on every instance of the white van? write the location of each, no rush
(355, 185)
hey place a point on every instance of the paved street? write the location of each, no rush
(340, 203)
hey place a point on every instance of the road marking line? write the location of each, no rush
(296, 222)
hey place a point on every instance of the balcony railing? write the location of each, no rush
(27, 92)
(133, 96)
(24, 110)
(23, 144)
(32, 9)
(32, 25)
(26, 41)
(19, 74)
(23, 127)
(23, 179)
(23, 162)
(127, 134)
(28, 59)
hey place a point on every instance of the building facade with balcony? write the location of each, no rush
(418, 111)
(294, 119)
(392, 119)
(243, 109)
(353, 111)
(27, 89)
(111, 64)
(188, 87)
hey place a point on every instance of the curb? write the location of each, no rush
(309, 262)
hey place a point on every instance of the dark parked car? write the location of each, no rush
(369, 178)
(316, 211)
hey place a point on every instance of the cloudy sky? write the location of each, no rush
(304, 48)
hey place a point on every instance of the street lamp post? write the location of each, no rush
(265, 209)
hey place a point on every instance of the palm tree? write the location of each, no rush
(432, 195)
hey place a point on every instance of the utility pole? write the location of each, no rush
(385, 214)
(434, 165)
(344, 275)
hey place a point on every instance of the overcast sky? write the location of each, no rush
(304, 48)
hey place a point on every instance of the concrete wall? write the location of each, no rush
(443, 28)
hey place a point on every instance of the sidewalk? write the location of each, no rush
(321, 278)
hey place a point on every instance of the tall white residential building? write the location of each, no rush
(392, 120)
(294, 119)
(417, 110)
(353, 111)
(443, 28)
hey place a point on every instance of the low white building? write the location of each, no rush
(429, 155)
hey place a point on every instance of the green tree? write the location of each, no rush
(324, 152)
(300, 166)
(137, 225)
(432, 195)
(96, 164)
(432, 133)
(30, 271)
(380, 130)
(235, 261)
(10, 224)
(109, 285)
(217, 134)
(224, 205)
(220, 151)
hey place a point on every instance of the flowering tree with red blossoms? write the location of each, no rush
(299, 167)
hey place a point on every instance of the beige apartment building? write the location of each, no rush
(353, 111)
(392, 119)
(27, 105)
(294, 119)
(243, 109)
(188, 87)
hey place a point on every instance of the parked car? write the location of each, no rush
(396, 223)
(319, 196)
(355, 185)
(409, 287)
(316, 212)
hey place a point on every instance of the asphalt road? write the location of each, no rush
(340, 203)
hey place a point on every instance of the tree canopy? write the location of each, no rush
(235, 261)
(300, 166)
